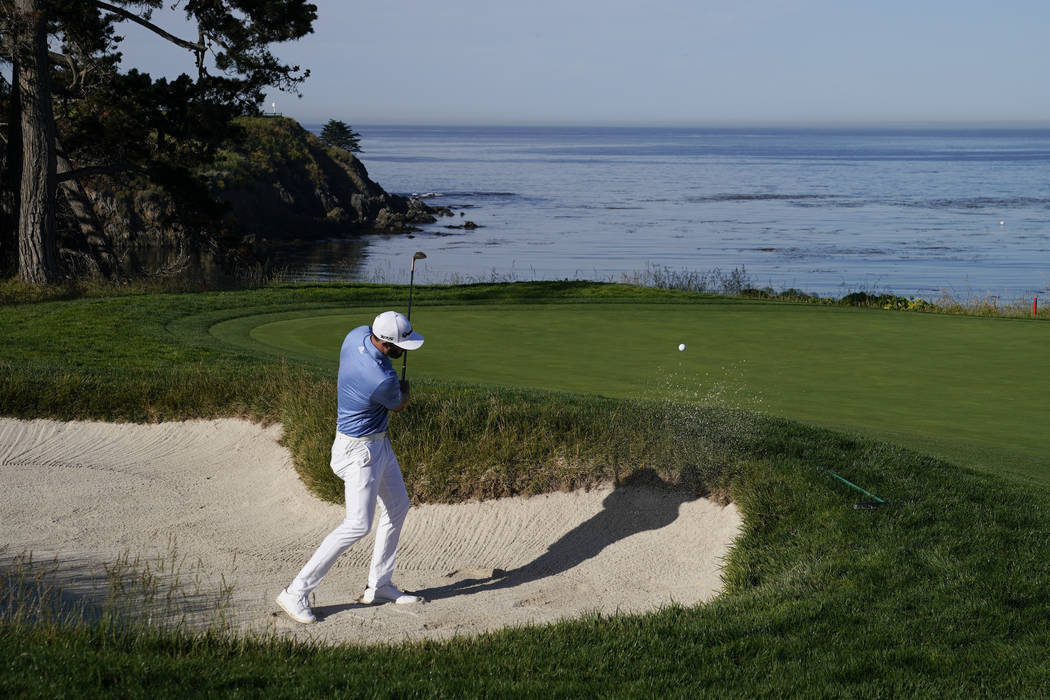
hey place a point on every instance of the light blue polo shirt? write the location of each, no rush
(367, 388)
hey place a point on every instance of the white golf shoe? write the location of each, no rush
(389, 593)
(297, 607)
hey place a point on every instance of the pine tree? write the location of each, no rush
(82, 117)
(340, 135)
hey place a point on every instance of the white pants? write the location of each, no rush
(370, 472)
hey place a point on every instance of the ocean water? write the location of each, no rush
(831, 211)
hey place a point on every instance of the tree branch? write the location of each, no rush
(127, 14)
(110, 169)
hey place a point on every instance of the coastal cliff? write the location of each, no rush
(277, 184)
(283, 183)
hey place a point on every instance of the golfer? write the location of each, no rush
(363, 458)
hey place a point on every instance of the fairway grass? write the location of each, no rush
(967, 389)
(943, 594)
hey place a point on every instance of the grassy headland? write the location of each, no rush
(943, 593)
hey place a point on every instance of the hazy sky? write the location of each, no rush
(688, 62)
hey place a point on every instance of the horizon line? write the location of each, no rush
(1001, 125)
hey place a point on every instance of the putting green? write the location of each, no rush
(964, 388)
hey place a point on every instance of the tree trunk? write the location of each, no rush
(11, 179)
(37, 245)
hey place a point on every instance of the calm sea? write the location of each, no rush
(910, 212)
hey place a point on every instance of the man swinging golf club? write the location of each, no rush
(362, 457)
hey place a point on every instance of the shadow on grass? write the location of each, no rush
(627, 511)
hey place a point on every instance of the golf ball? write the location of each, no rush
(681, 347)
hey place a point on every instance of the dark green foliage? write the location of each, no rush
(339, 135)
(887, 301)
(129, 132)
(790, 294)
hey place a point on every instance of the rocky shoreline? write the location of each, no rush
(279, 186)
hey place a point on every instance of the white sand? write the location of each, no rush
(226, 494)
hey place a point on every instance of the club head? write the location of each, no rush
(419, 255)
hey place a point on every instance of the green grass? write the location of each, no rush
(943, 595)
(967, 389)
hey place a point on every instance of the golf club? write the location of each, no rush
(419, 255)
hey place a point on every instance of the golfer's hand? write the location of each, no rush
(405, 395)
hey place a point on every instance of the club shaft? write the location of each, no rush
(411, 283)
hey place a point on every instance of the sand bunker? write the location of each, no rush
(225, 493)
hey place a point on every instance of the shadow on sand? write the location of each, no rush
(641, 502)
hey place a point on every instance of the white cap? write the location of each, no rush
(392, 327)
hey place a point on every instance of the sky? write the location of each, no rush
(659, 62)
